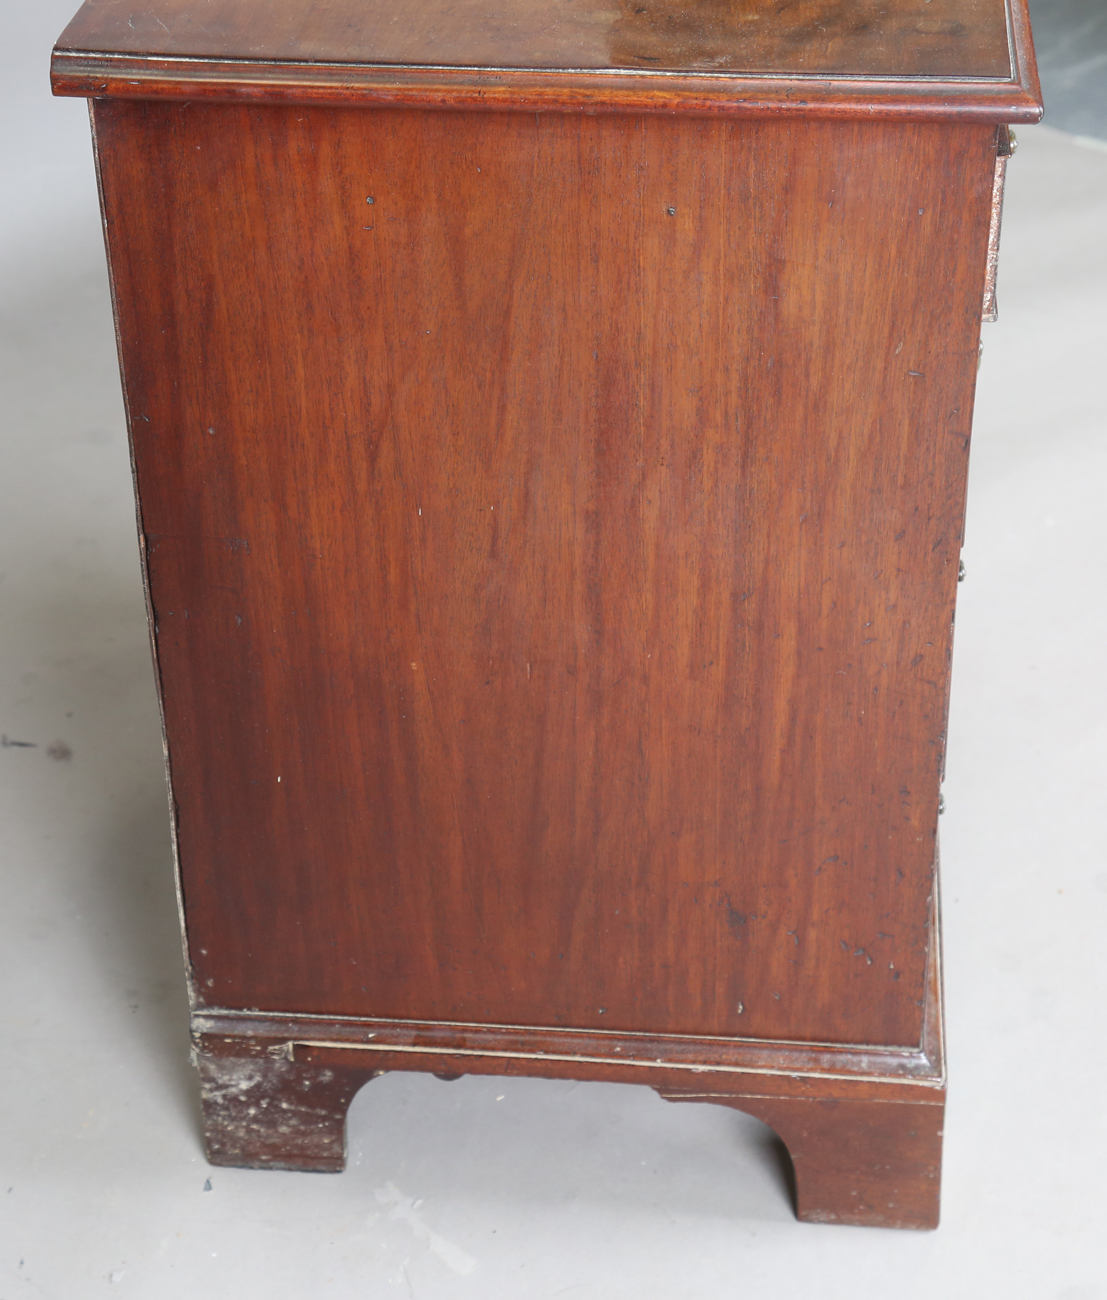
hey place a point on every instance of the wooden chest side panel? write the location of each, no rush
(553, 559)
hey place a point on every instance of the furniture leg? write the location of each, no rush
(868, 1162)
(264, 1112)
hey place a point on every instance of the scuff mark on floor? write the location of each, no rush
(405, 1209)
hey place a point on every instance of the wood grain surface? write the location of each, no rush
(864, 1148)
(864, 1136)
(906, 38)
(669, 1062)
(552, 529)
(907, 58)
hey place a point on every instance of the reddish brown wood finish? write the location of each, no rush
(873, 1162)
(919, 59)
(549, 585)
(551, 528)
(866, 1159)
(912, 38)
(863, 1129)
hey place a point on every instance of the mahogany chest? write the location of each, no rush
(550, 427)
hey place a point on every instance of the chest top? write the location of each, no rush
(910, 58)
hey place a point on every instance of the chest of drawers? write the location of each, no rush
(550, 427)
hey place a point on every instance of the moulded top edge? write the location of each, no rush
(953, 50)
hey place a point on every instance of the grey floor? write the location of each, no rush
(491, 1188)
(1070, 37)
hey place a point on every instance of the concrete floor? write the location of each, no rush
(1070, 37)
(511, 1188)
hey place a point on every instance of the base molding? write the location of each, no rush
(865, 1150)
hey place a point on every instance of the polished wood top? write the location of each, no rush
(933, 55)
(903, 38)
